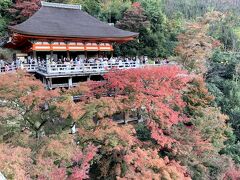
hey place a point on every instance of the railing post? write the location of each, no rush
(70, 83)
(89, 78)
(45, 82)
(98, 70)
(84, 68)
(49, 83)
(47, 69)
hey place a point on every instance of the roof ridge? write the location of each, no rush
(60, 5)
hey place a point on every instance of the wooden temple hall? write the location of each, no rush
(59, 31)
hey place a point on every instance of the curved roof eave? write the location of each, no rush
(134, 35)
(69, 23)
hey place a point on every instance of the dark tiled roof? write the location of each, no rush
(68, 22)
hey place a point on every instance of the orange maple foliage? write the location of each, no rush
(23, 88)
(67, 107)
(195, 45)
(197, 96)
(64, 150)
(232, 174)
(15, 162)
(80, 89)
(106, 106)
(146, 164)
(157, 90)
(6, 112)
(189, 140)
(110, 134)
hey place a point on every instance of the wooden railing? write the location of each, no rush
(30, 67)
(8, 69)
(87, 68)
(27, 67)
(65, 69)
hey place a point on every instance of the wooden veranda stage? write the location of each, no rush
(69, 75)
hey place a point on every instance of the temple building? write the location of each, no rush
(59, 30)
(62, 33)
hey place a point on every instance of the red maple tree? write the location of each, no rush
(146, 164)
(23, 9)
(157, 91)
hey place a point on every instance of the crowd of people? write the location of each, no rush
(6, 66)
(120, 61)
(103, 61)
(79, 60)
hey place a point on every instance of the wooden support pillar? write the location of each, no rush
(44, 82)
(85, 53)
(68, 55)
(70, 83)
(51, 55)
(73, 128)
(139, 117)
(51, 50)
(48, 68)
(126, 117)
(98, 44)
(89, 78)
(49, 83)
(111, 53)
(34, 55)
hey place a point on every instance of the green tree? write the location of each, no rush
(227, 31)
(223, 83)
(164, 29)
(4, 5)
(134, 19)
(192, 9)
(113, 10)
(93, 7)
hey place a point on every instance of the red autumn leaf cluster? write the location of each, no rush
(146, 164)
(81, 165)
(24, 89)
(156, 90)
(23, 9)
